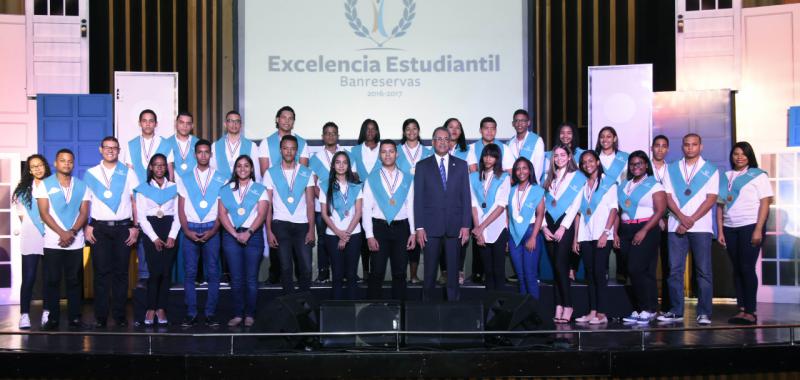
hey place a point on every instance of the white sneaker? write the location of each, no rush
(584, 319)
(633, 318)
(703, 320)
(45, 316)
(645, 318)
(24, 322)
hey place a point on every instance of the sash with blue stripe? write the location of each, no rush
(528, 208)
(248, 203)
(135, 149)
(117, 186)
(462, 154)
(320, 169)
(574, 187)
(282, 187)
(157, 195)
(382, 197)
(527, 146)
(635, 196)
(679, 185)
(479, 145)
(477, 189)
(358, 160)
(174, 147)
(598, 195)
(67, 212)
(212, 191)
(404, 163)
(220, 147)
(274, 146)
(549, 156)
(617, 166)
(730, 197)
(33, 214)
(339, 204)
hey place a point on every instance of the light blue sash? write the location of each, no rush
(190, 161)
(598, 195)
(117, 186)
(212, 191)
(574, 187)
(274, 146)
(549, 156)
(33, 214)
(730, 197)
(382, 197)
(282, 187)
(527, 146)
(155, 194)
(679, 184)
(339, 205)
(636, 195)
(220, 147)
(67, 213)
(477, 189)
(462, 154)
(248, 203)
(361, 167)
(527, 210)
(617, 166)
(403, 162)
(320, 169)
(135, 149)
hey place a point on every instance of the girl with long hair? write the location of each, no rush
(525, 216)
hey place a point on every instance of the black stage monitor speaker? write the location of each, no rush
(359, 316)
(445, 316)
(288, 314)
(509, 311)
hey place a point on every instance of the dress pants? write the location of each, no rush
(292, 248)
(392, 239)
(434, 248)
(493, 256)
(560, 253)
(344, 265)
(111, 258)
(70, 264)
(642, 264)
(743, 257)
(595, 261)
(159, 264)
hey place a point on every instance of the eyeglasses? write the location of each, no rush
(234, 121)
(636, 164)
(111, 148)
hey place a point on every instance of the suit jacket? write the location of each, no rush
(442, 212)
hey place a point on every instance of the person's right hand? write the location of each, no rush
(372, 244)
(88, 233)
(421, 238)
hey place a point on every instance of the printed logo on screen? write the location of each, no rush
(377, 33)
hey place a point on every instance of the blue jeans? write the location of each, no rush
(526, 263)
(191, 252)
(293, 249)
(700, 243)
(244, 262)
(30, 263)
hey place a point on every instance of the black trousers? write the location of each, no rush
(642, 264)
(110, 259)
(743, 256)
(493, 256)
(159, 264)
(560, 254)
(663, 252)
(392, 239)
(69, 263)
(596, 262)
(436, 246)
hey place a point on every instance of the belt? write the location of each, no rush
(384, 222)
(113, 223)
(636, 221)
(243, 229)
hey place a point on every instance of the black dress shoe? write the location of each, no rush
(141, 283)
(76, 324)
(51, 325)
(211, 321)
(189, 321)
(121, 322)
(100, 323)
(324, 276)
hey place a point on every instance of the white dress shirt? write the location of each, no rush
(263, 151)
(597, 223)
(251, 217)
(147, 207)
(492, 232)
(572, 209)
(369, 157)
(473, 155)
(279, 209)
(188, 207)
(370, 208)
(98, 210)
(149, 148)
(537, 158)
(341, 223)
(232, 155)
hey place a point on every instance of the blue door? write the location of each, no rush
(76, 122)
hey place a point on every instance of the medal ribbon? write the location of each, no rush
(232, 147)
(393, 186)
(522, 195)
(148, 151)
(67, 190)
(294, 176)
(734, 177)
(632, 185)
(105, 177)
(243, 193)
(180, 149)
(689, 176)
(200, 184)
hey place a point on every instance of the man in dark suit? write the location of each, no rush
(442, 211)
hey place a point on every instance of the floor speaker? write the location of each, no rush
(289, 314)
(359, 316)
(510, 311)
(445, 316)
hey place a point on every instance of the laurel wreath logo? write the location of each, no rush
(350, 13)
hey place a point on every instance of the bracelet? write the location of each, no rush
(250, 231)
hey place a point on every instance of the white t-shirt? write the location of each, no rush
(251, 217)
(607, 159)
(371, 209)
(234, 153)
(473, 155)
(99, 210)
(745, 210)
(50, 236)
(188, 208)
(31, 242)
(341, 223)
(557, 192)
(492, 232)
(279, 209)
(263, 152)
(645, 209)
(594, 228)
(537, 158)
(147, 207)
(711, 186)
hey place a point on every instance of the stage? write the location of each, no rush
(613, 350)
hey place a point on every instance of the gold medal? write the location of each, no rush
(203, 204)
(589, 211)
(730, 198)
(392, 202)
(107, 194)
(184, 166)
(290, 199)
(159, 214)
(240, 211)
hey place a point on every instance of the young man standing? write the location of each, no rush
(692, 185)
(269, 152)
(233, 144)
(113, 231)
(659, 151)
(526, 143)
(197, 212)
(181, 147)
(290, 227)
(488, 132)
(64, 208)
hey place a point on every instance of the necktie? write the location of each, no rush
(442, 173)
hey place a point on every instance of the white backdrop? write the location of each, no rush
(389, 60)
(622, 97)
(137, 91)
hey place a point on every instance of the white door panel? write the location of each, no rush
(707, 46)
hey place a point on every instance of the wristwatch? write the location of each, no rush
(608, 233)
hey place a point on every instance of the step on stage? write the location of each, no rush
(485, 336)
